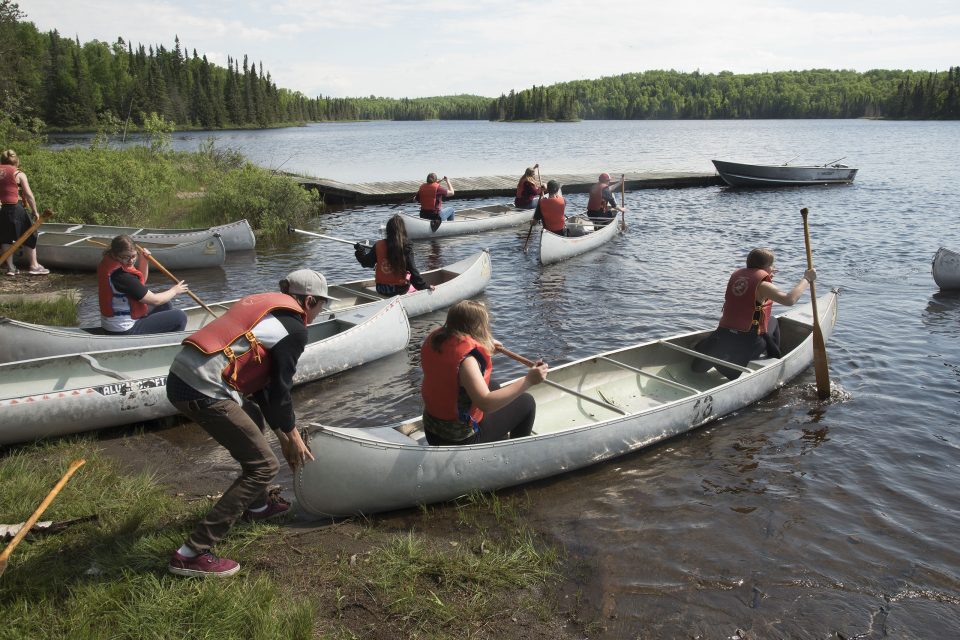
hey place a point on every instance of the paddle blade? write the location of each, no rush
(820, 366)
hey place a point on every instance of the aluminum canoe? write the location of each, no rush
(946, 269)
(636, 396)
(737, 174)
(60, 395)
(465, 221)
(452, 283)
(236, 236)
(585, 235)
(83, 252)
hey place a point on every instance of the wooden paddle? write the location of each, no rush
(162, 268)
(46, 215)
(32, 520)
(532, 223)
(819, 348)
(530, 363)
(623, 214)
(320, 235)
(405, 201)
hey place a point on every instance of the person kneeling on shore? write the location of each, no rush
(233, 377)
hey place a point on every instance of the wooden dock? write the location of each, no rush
(490, 186)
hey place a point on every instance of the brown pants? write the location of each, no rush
(243, 436)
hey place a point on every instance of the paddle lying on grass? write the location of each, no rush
(165, 272)
(32, 520)
(320, 235)
(819, 348)
(530, 363)
(46, 215)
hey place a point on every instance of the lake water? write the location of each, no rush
(790, 519)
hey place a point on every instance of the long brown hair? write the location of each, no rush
(397, 244)
(120, 244)
(466, 318)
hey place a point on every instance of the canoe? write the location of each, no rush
(454, 282)
(79, 252)
(584, 235)
(946, 269)
(737, 174)
(236, 236)
(60, 395)
(495, 216)
(625, 400)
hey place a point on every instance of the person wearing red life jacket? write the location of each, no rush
(233, 378)
(461, 405)
(551, 211)
(747, 330)
(392, 260)
(600, 202)
(15, 219)
(431, 195)
(127, 306)
(528, 189)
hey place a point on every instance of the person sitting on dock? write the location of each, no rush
(601, 203)
(461, 406)
(551, 210)
(127, 306)
(431, 195)
(392, 260)
(528, 189)
(747, 330)
(233, 378)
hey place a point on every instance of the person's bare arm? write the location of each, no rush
(769, 291)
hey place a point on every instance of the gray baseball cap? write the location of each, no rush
(307, 282)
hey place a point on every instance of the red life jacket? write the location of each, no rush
(441, 376)
(9, 189)
(741, 311)
(112, 302)
(383, 272)
(552, 210)
(427, 195)
(596, 202)
(250, 371)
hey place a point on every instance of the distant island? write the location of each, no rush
(49, 82)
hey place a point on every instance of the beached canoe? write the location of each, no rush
(79, 252)
(452, 283)
(60, 395)
(584, 235)
(616, 402)
(737, 174)
(236, 236)
(465, 221)
(946, 269)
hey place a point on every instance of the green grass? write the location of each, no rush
(61, 312)
(107, 578)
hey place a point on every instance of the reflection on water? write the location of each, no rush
(789, 519)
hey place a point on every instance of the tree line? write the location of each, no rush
(669, 95)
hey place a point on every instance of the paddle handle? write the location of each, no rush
(43, 217)
(320, 235)
(32, 520)
(516, 356)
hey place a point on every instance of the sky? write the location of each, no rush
(416, 48)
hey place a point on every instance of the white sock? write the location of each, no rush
(187, 551)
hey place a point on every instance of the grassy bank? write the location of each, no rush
(151, 186)
(479, 572)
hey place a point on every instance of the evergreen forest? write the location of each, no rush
(48, 81)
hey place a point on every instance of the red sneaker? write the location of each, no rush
(205, 564)
(275, 506)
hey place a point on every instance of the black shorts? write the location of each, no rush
(14, 222)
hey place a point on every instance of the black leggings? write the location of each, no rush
(512, 421)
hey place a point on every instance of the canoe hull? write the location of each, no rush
(452, 283)
(737, 174)
(61, 395)
(946, 269)
(467, 221)
(82, 253)
(372, 470)
(554, 248)
(236, 236)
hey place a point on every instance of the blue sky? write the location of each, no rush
(399, 48)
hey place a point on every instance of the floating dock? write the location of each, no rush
(336, 192)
